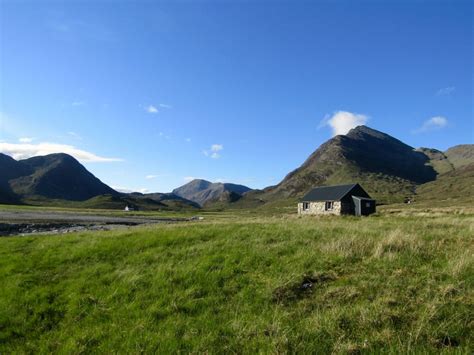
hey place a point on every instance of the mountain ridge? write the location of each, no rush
(389, 170)
(204, 192)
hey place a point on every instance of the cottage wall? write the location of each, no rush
(319, 208)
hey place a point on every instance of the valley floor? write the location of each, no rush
(398, 281)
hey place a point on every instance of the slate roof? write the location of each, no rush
(328, 193)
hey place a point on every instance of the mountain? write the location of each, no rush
(387, 168)
(50, 177)
(205, 192)
(57, 176)
(461, 155)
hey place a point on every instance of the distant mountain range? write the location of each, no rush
(59, 178)
(205, 192)
(389, 170)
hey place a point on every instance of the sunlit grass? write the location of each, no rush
(397, 282)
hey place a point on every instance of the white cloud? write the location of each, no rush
(126, 190)
(165, 106)
(188, 140)
(151, 109)
(434, 123)
(151, 177)
(78, 103)
(189, 178)
(342, 122)
(213, 152)
(445, 91)
(216, 147)
(122, 189)
(25, 150)
(25, 140)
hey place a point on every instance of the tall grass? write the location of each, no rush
(391, 283)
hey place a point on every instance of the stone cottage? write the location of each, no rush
(337, 200)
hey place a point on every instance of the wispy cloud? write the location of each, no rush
(151, 109)
(165, 106)
(213, 152)
(25, 140)
(77, 29)
(78, 103)
(26, 150)
(445, 91)
(342, 122)
(74, 135)
(189, 178)
(432, 124)
(188, 140)
(152, 176)
(165, 136)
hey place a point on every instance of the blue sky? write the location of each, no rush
(150, 94)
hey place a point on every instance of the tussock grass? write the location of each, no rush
(243, 283)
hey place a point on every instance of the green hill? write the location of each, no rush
(456, 185)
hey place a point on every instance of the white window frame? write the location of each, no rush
(329, 205)
(305, 206)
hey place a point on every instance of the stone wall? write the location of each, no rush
(320, 208)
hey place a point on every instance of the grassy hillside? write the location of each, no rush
(461, 155)
(457, 185)
(438, 160)
(396, 282)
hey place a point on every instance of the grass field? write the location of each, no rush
(399, 281)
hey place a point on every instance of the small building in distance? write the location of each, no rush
(337, 200)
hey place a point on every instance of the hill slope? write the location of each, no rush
(461, 155)
(10, 169)
(437, 159)
(205, 192)
(454, 185)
